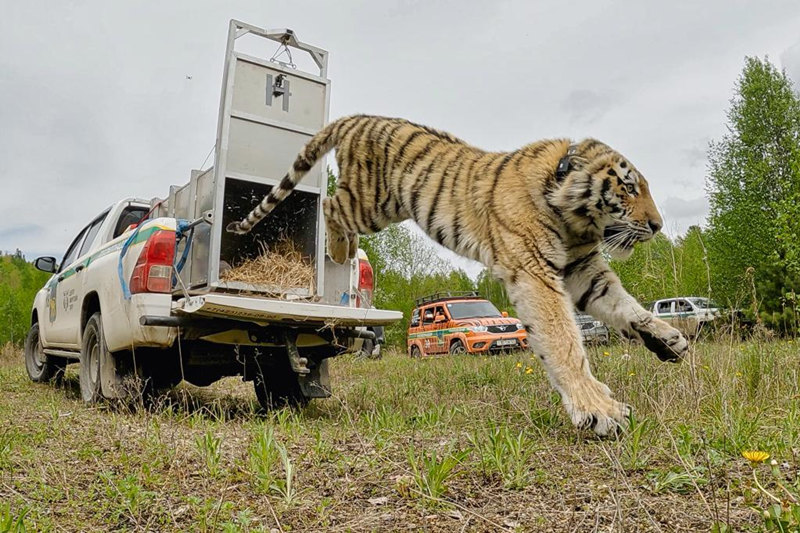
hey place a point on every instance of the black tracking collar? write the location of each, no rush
(563, 167)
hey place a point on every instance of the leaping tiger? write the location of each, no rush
(538, 217)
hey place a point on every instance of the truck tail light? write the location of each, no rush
(366, 283)
(153, 270)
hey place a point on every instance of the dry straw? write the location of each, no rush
(281, 268)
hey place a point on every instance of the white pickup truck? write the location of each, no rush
(690, 314)
(162, 336)
(139, 299)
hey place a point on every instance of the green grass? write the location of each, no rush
(441, 444)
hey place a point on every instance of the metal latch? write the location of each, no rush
(280, 87)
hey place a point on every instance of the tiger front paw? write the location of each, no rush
(338, 247)
(591, 406)
(666, 342)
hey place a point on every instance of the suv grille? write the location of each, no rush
(502, 328)
(587, 325)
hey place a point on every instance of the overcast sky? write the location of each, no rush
(95, 103)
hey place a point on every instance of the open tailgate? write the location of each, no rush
(263, 310)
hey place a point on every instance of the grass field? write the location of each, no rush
(449, 444)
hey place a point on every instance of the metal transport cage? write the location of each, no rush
(269, 109)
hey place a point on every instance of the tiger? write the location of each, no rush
(541, 218)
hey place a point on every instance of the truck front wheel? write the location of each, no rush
(457, 347)
(40, 366)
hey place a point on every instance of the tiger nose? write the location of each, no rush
(654, 226)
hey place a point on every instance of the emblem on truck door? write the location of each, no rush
(51, 305)
(68, 300)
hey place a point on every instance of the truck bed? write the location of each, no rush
(255, 309)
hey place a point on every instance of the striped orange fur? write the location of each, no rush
(538, 217)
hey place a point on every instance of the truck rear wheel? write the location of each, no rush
(93, 349)
(40, 366)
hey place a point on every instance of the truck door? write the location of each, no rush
(685, 317)
(428, 336)
(664, 310)
(68, 290)
(440, 343)
(59, 296)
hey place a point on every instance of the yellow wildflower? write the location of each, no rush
(606, 354)
(632, 374)
(529, 370)
(519, 365)
(738, 374)
(755, 456)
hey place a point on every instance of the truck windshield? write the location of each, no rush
(472, 310)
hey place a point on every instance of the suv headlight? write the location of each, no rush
(520, 326)
(597, 324)
(478, 329)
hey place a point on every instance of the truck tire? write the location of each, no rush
(276, 387)
(93, 350)
(367, 347)
(41, 367)
(457, 347)
(414, 352)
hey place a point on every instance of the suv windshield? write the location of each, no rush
(472, 310)
(704, 303)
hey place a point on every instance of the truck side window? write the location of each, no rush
(663, 307)
(91, 234)
(439, 311)
(72, 251)
(682, 306)
(130, 215)
(415, 318)
(427, 316)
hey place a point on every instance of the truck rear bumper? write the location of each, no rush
(266, 311)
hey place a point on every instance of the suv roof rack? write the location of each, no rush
(446, 295)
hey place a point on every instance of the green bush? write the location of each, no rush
(19, 283)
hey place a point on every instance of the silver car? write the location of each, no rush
(592, 331)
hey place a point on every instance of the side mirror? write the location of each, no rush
(505, 314)
(46, 264)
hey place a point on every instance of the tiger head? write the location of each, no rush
(604, 196)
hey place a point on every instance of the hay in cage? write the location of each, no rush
(279, 269)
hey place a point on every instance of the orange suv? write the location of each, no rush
(459, 322)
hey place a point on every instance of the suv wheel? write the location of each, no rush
(93, 349)
(40, 366)
(457, 347)
(414, 352)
